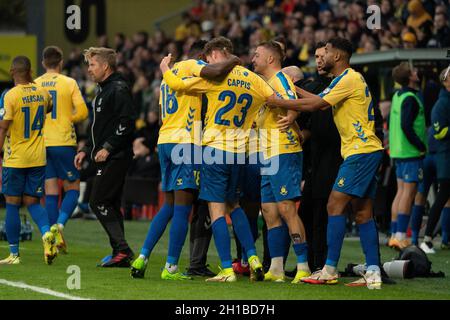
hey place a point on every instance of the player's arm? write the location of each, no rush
(218, 71)
(6, 115)
(80, 109)
(4, 126)
(439, 121)
(302, 104)
(339, 89)
(192, 84)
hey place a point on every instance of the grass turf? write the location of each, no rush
(87, 244)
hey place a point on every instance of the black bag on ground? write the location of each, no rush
(421, 265)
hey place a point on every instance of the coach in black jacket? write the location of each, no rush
(110, 147)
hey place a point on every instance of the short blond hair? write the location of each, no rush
(105, 54)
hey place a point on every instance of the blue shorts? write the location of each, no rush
(443, 165)
(357, 175)
(409, 170)
(178, 172)
(429, 174)
(251, 181)
(221, 181)
(23, 181)
(60, 163)
(285, 184)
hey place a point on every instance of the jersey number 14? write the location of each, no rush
(38, 121)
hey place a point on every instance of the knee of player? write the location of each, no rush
(363, 217)
(28, 201)
(72, 185)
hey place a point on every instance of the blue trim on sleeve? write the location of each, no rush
(2, 101)
(332, 84)
(202, 63)
(285, 84)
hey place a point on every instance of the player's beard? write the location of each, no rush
(327, 67)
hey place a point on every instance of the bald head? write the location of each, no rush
(294, 73)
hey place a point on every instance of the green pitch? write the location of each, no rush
(87, 244)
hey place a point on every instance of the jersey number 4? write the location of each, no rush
(38, 121)
(245, 97)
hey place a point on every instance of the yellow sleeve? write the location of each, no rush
(9, 107)
(192, 84)
(81, 110)
(264, 89)
(338, 90)
(196, 66)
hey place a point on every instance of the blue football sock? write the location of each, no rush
(445, 224)
(369, 241)
(157, 227)
(393, 227)
(40, 217)
(244, 257)
(276, 241)
(51, 206)
(253, 222)
(301, 251)
(242, 229)
(69, 204)
(402, 222)
(335, 238)
(178, 232)
(12, 226)
(286, 239)
(416, 222)
(222, 241)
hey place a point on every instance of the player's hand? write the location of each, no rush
(270, 100)
(101, 156)
(164, 65)
(285, 122)
(79, 159)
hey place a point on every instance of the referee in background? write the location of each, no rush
(110, 147)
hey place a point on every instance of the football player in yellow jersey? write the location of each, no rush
(280, 189)
(61, 141)
(22, 116)
(232, 108)
(179, 135)
(361, 149)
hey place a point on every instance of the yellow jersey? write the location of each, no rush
(68, 108)
(181, 111)
(353, 113)
(233, 105)
(273, 141)
(25, 106)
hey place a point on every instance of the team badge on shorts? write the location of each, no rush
(341, 182)
(283, 191)
(179, 181)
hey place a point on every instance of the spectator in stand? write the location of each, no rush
(409, 40)
(417, 15)
(441, 31)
